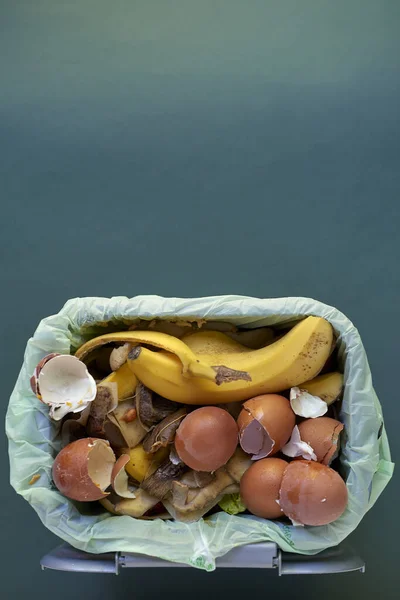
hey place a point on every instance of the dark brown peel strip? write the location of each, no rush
(159, 484)
(164, 433)
(104, 402)
(113, 433)
(152, 408)
(226, 375)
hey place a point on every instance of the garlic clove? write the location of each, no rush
(306, 405)
(66, 386)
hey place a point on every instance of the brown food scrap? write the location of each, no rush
(164, 433)
(159, 484)
(130, 415)
(152, 408)
(102, 404)
(34, 479)
(187, 323)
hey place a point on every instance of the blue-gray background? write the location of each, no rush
(191, 148)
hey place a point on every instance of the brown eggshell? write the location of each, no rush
(275, 420)
(206, 439)
(312, 494)
(322, 434)
(119, 478)
(34, 381)
(260, 485)
(82, 470)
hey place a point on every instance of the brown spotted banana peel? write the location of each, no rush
(295, 358)
(191, 365)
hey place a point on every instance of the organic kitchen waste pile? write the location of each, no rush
(184, 428)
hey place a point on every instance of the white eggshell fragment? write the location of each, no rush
(34, 379)
(66, 386)
(296, 447)
(119, 478)
(306, 405)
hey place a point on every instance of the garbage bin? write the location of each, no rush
(222, 539)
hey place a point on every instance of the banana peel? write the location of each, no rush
(296, 357)
(143, 464)
(328, 387)
(190, 364)
(126, 381)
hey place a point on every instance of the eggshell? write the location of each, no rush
(265, 425)
(260, 485)
(297, 447)
(35, 377)
(119, 478)
(206, 439)
(322, 434)
(312, 494)
(65, 385)
(82, 470)
(306, 405)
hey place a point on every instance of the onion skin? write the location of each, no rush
(70, 471)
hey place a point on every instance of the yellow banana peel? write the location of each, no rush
(328, 386)
(191, 365)
(126, 381)
(141, 464)
(295, 358)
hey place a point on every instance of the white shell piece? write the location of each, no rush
(306, 405)
(295, 447)
(66, 386)
(296, 523)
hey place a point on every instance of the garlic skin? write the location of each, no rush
(295, 447)
(306, 405)
(65, 385)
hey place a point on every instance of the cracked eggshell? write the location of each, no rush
(297, 447)
(260, 485)
(65, 385)
(119, 478)
(265, 425)
(322, 434)
(306, 405)
(312, 494)
(82, 470)
(34, 379)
